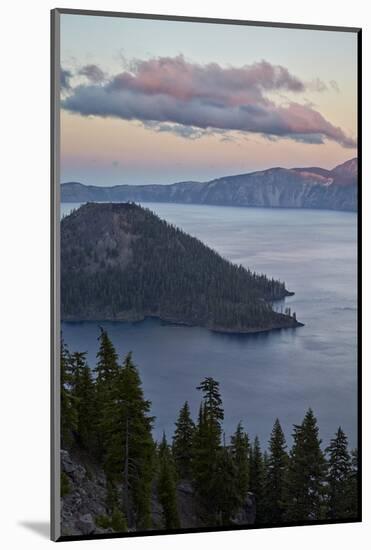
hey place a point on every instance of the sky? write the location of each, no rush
(147, 101)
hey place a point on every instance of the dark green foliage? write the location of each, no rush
(340, 499)
(226, 489)
(167, 487)
(68, 408)
(256, 467)
(103, 521)
(65, 485)
(120, 261)
(206, 445)
(183, 442)
(128, 444)
(240, 453)
(353, 485)
(83, 391)
(107, 364)
(304, 498)
(276, 472)
(108, 418)
(116, 521)
(106, 375)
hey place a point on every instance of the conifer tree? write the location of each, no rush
(107, 364)
(183, 442)
(276, 476)
(213, 410)
(167, 487)
(83, 391)
(256, 468)
(240, 453)
(106, 373)
(207, 443)
(338, 477)
(353, 486)
(306, 473)
(226, 490)
(68, 408)
(129, 455)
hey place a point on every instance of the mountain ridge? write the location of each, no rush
(277, 187)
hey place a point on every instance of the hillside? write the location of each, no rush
(121, 262)
(311, 187)
(85, 500)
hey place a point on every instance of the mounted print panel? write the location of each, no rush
(205, 194)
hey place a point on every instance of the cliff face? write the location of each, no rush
(277, 187)
(121, 262)
(85, 493)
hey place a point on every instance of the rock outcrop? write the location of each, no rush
(85, 492)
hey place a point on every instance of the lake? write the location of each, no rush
(268, 375)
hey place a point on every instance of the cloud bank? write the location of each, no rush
(175, 94)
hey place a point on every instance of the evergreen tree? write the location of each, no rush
(256, 468)
(306, 473)
(83, 391)
(106, 373)
(226, 490)
(68, 408)
(276, 476)
(167, 487)
(183, 441)
(107, 364)
(207, 443)
(124, 436)
(136, 433)
(240, 453)
(353, 486)
(338, 477)
(213, 410)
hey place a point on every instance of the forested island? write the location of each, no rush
(122, 262)
(116, 478)
(309, 187)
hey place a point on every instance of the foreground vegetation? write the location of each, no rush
(104, 413)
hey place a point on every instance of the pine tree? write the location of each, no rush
(276, 476)
(256, 468)
(132, 451)
(306, 473)
(338, 477)
(226, 490)
(107, 365)
(106, 373)
(240, 453)
(83, 391)
(213, 410)
(125, 436)
(206, 445)
(353, 486)
(167, 487)
(68, 408)
(183, 442)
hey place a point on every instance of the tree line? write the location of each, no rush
(104, 412)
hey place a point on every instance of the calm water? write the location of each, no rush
(279, 374)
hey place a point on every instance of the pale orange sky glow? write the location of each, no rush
(202, 111)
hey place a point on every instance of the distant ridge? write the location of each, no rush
(311, 187)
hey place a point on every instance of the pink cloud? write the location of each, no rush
(172, 90)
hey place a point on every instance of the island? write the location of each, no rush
(121, 262)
